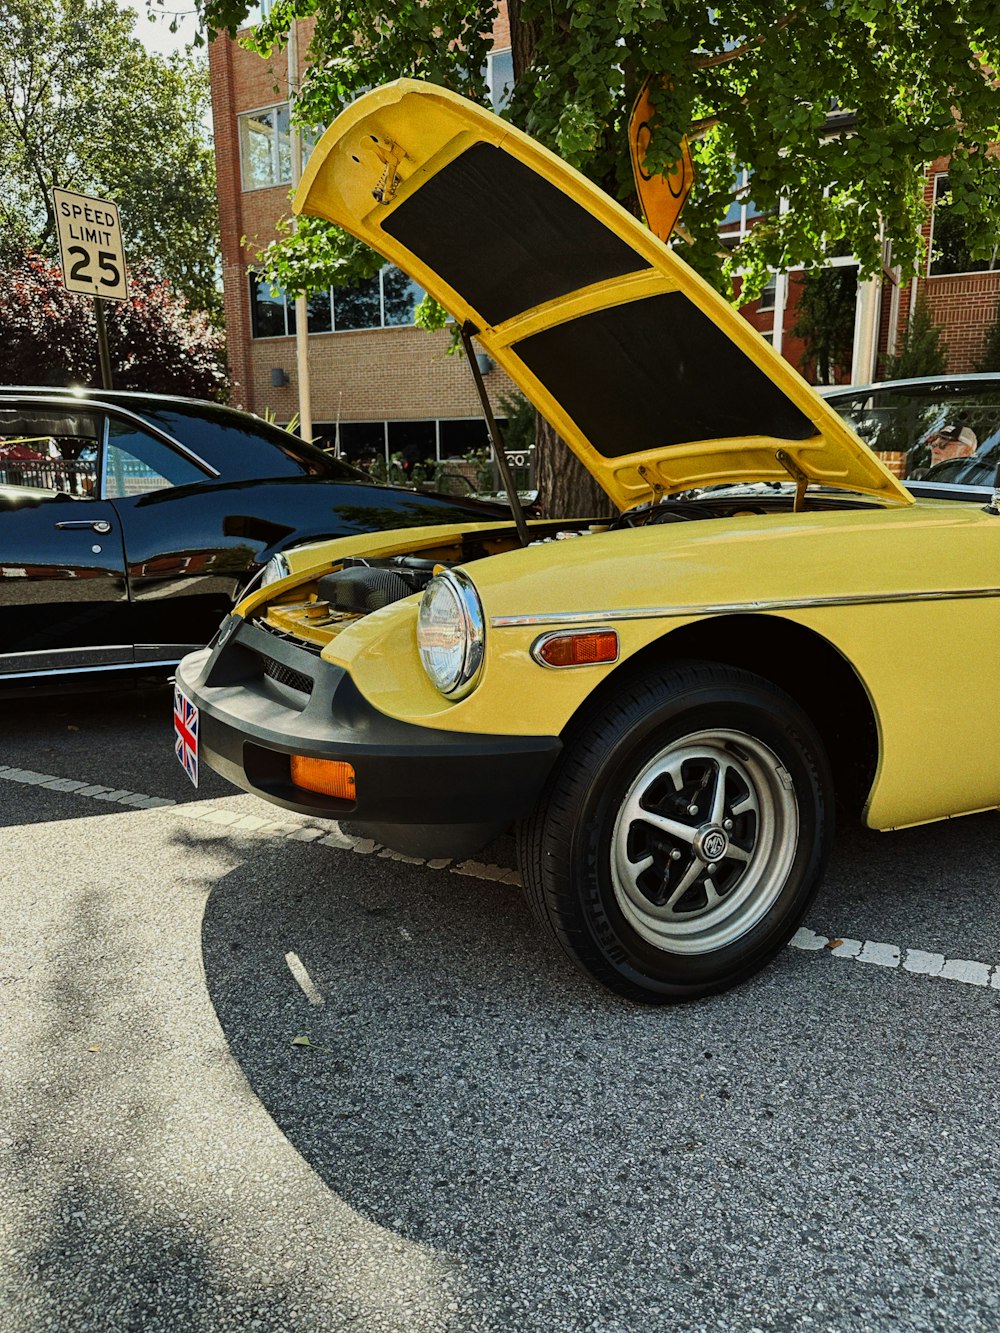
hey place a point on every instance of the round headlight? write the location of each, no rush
(451, 633)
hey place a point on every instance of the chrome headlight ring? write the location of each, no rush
(451, 634)
(275, 569)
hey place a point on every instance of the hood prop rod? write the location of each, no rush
(496, 440)
(797, 475)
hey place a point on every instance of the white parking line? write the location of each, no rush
(27, 777)
(327, 833)
(890, 955)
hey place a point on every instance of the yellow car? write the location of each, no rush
(665, 706)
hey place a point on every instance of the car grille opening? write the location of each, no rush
(287, 637)
(285, 675)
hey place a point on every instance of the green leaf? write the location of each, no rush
(762, 75)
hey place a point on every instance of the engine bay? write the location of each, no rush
(314, 613)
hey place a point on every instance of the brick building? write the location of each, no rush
(378, 384)
(963, 297)
(381, 386)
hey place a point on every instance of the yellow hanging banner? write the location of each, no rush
(662, 197)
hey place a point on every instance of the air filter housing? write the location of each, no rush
(361, 590)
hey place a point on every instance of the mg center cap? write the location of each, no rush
(711, 843)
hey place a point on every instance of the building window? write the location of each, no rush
(272, 315)
(265, 152)
(362, 442)
(319, 308)
(464, 435)
(500, 77)
(413, 442)
(257, 13)
(358, 306)
(400, 297)
(766, 299)
(742, 210)
(265, 147)
(948, 250)
(387, 300)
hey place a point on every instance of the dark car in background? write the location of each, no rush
(129, 522)
(940, 435)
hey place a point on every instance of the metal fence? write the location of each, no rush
(52, 474)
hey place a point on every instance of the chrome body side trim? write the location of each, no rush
(85, 670)
(102, 483)
(50, 659)
(157, 652)
(106, 657)
(730, 608)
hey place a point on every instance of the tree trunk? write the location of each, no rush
(565, 487)
(522, 39)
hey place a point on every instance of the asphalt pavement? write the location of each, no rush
(257, 1074)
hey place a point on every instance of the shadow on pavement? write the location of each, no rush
(584, 1159)
(123, 741)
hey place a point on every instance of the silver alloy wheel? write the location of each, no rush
(703, 842)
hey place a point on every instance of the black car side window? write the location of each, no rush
(138, 463)
(947, 433)
(49, 449)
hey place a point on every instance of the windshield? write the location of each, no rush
(939, 432)
(241, 445)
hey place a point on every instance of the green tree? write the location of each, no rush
(84, 106)
(157, 342)
(522, 420)
(989, 359)
(923, 351)
(752, 84)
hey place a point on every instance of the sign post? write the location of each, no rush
(93, 258)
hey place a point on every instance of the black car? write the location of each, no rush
(939, 434)
(128, 523)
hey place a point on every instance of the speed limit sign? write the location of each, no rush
(90, 243)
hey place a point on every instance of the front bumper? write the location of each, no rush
(420, 791)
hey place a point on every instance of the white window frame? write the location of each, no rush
(322, 333)
(499, 97)
(738, 229)
(275, 148)
(257, 13)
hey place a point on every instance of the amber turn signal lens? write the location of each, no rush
(586, 649)
(329, 777)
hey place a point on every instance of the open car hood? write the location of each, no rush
(651, 378)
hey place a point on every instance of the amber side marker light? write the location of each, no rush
(576, 648)
(328, 777)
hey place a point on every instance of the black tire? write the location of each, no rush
(706, 897)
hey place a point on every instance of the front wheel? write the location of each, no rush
(683, 834)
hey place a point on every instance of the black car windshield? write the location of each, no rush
(242, 446)
(934, 432)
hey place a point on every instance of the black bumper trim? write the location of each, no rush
(464, 787)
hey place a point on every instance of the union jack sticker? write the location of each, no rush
(186, 734)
